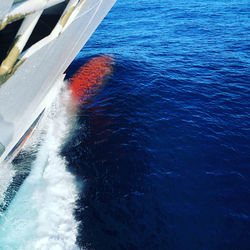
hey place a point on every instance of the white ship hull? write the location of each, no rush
(29, 90)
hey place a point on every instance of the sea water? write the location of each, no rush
(40, 214)
(159, 159)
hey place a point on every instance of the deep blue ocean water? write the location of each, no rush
(161, 155)
(164, 149)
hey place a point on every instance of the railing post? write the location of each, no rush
(22, 37)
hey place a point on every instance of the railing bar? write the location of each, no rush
(26, 8)
(22, 37)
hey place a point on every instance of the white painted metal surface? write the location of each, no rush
(4, 8)
(27, 91)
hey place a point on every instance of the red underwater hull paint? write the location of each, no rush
(90, 77)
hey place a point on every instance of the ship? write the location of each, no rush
(38, 41)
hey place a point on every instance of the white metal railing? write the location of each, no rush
(19, 11)
(31, 11)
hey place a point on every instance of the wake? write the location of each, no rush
(41, 215)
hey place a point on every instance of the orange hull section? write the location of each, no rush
(90, 77)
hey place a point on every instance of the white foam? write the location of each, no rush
(7, 173)
(41, 215)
